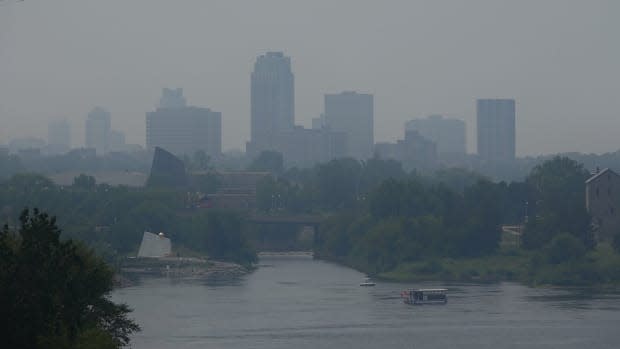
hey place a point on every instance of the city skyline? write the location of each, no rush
(566, 91)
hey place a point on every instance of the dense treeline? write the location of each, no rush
(382, 219)
(406, 221)
(112, 219)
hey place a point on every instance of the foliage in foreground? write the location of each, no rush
(55, 292)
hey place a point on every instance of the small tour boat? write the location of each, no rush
(367, 283)
(425, 296)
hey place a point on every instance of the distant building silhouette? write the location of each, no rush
(117, 141)
(414, 151)
(352, 113)
(98, 125)
(183, 130)
(172, 99)
(447, 134)
(58, 137)
(318, 123)
(272, 100)
(496, 129)
(18, 145)
(302, 147)
(603, 203)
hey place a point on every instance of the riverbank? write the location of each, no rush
(599, 268)
(298, 302)
(494, 268)
(177, 267)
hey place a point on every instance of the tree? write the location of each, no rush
(564, 248)
(457, 179)
(481, 232)
(377, 170)
(616, 242)
(55, 292)
(9, 165)
(338, 182)
(269, 161)
(556, 203)
(30, 183)
(84, 182)
(201, 161)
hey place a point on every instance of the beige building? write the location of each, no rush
(603, 203)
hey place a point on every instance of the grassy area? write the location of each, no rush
(600, 267)
(506, 266)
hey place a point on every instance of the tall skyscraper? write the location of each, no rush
(59, 136)
(98, 125)
(448, 134)
(172, 99)
(183, 130)
(272, 100)
(496, 129)
(352, 113)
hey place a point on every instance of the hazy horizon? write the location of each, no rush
(557, 59)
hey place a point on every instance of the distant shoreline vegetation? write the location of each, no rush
(112, 219)
(600, 269)
(379, 219)
(414, 231)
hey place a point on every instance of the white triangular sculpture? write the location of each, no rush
(154, 245)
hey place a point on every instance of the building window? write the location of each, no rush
(611, 210)
(596, 191)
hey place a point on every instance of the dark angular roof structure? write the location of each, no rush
(167, 171)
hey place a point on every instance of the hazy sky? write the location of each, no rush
(559, 59)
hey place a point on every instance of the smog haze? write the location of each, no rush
(557, 59)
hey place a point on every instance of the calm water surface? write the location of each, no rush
(297, 302)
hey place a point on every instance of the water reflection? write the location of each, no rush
(299, 302)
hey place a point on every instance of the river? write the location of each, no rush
(297, 302)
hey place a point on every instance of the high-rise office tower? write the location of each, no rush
(496, 129)
(172, 99)
(272, 100)
(98, 130)
(352, 113)
(448, 134)
(58, 136)
(183, 130)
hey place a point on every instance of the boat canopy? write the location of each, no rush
(437, 290)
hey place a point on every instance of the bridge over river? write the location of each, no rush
(284, 232)
(309, 220)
